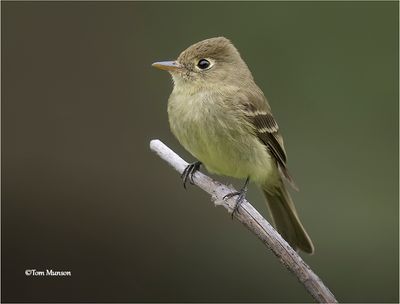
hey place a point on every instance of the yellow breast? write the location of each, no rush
(218, 137)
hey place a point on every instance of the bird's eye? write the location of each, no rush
(203, 64)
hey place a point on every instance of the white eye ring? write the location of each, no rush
(204, 64)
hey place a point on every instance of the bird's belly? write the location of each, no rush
(240, 159)
(223, 147)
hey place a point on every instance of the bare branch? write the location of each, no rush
(253, 220)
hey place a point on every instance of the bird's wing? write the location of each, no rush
(266, 128)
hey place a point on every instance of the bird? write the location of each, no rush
(220, 116)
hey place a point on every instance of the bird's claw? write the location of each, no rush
(240, 197)
(189, 171)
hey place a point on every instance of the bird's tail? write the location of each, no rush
(286, 220)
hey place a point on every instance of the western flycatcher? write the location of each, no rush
(218, 113)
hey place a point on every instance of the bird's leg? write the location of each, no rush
(241, 195)
(189, 171)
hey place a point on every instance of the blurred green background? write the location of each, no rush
(81, 190)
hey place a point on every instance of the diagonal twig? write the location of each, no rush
(253, 220)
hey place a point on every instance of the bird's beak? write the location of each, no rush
(167, 65)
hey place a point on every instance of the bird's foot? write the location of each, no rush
(189, 171)
(240, 197)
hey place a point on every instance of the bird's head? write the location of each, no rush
(207, 62)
